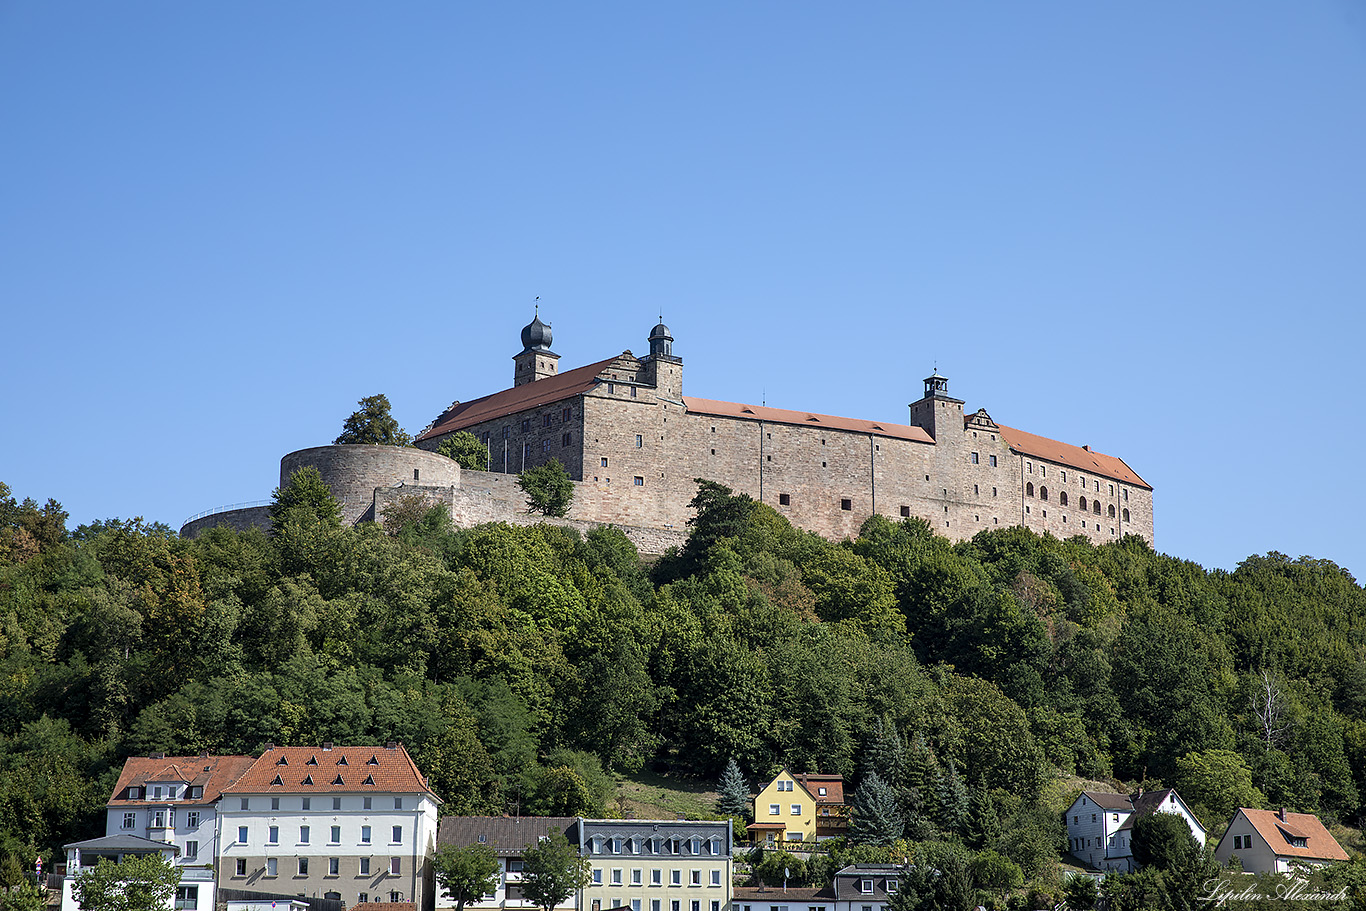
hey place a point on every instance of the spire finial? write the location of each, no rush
(538, 306)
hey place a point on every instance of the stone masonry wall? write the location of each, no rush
(236, 519)
(353, 472)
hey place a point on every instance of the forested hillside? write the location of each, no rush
(522, 666)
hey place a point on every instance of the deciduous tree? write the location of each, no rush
(466, 449)
(305, 498)
(548, 489)
(552, 871)
(466, 874)
(144, 883)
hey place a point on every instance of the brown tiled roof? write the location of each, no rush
(767, 825)
(506, 835)
(804, 419)
(1078, 457)
(833, 784)
(778, 895)
(212, 773)
(342, 769)
(518, 398)
(1269, 825)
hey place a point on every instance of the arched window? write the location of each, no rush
(1043, 493)
(1095, 507)
(1029, 489)
(1126, 514)
(1062, 498)
(1083, 504)
(1112, 510)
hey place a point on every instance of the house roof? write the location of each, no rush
(1078, 457)
(314, 904)
(1277, 827)
(518, 398)
(833, 784)
(777, 826)
(505, 835)
(212, 773)
(804, 419)
(334, 770)
(126, 844)
(1108, 801)
(777, 894)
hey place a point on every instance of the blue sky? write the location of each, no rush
(1140, 227)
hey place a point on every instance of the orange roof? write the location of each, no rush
(1078, 457)
(805, 419)
(341, 769)
(1277, 832)
(767, 825)
(518, 398)
(212, 773)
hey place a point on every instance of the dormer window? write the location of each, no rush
(282, 761)
(372, 761)
(312, 760)
(338, 780)
(342, 761)
(866, 886)
(369, 779)
(308, 779)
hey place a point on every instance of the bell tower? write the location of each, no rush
(937, 410)
(661, 368)
(537, 361)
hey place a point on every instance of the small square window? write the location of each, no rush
(905, 512)
(604, 462)
(846, 504)
(639, 481)
(241, 866)
(784, 499)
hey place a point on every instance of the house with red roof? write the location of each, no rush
(1277, 841)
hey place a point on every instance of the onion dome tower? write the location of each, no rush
(662, 369)
(536, 361)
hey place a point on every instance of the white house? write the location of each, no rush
(1275, 841)
(354, 824)
(85, 855)
(507, 837)
(1100, 825)
(168, 801)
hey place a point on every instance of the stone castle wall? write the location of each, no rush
(353, 473)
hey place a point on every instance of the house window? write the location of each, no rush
(191, 850)
(566, 439)
(246, 803)
(784, 499)
(130, 820)
(192, 819)
(395, 866)
(675, 877)
(398, 834)
(303, 835)
(695, 878)
(395, 897)
(365, 835)
(846, 504)
(773, 810)
(365, 803)
(308, 802)
(597, 877)
(636, 877)
(656, 877)
(187, 897)
(272, 866)
(564, 415)
(273, 835)
(365, 866)
(275, 803)
(796, 809)
(866, 886)
(336, 803)
(639, 481)
(334, 866)
(336, 835)
(241, 835)
(526, 425)
(616, 876)
(241, 866)
(974, 458)
(716, 877)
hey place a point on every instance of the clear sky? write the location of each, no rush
(1140, 227)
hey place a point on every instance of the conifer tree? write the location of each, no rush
(733, 797)
(877, 818)
(884, 753)
(953, 801)
(984, 826)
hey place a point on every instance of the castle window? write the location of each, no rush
(1062, 498)
(545, 419)
(713, 430)
(611, 388)
(526, 451)
(507, 431)
(846, 505)
(564, 415)
(974, 458)
(1029, 489)
(639, 481)
(1111, 510)
(566, 439)
(1097, 483)
(1064, 477)
(1029, 467)
(992, 459)
(1125, 514)
(415, 473)
(1064, 519)
(1112, 532)
(1095, 507)
(927, 477)
(995, 521)
(1112, 490)
(822, 464)
(485, 438)
(784, 499)
(526, 425)
(604, 461)
(1043, 493)
(993, 491)
(713, 452)
(975, 491)
(640, 441)
(1043, 470)
(1026, 510)
(633, 392)
(976, 518)
(770, 458)
(1126, 495)
(905, 512)
(1082, 503)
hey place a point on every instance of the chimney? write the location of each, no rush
(327, 746)
(391, 745)
(1281, 814)
(203, 754)
(156, 755)
(269, 747)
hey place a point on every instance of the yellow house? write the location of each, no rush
(784, 811)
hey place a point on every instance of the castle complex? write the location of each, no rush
(635, 445)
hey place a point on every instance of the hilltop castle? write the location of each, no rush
(635, 444)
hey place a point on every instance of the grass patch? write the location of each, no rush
(650, 795)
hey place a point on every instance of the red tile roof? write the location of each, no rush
(518, 398)
(833, 784)
(342, 769)
(1078, 457)
(804, 419)
(1277, 832)
(212, 773)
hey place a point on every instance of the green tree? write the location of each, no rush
(548, 489)
(26, 896)
(1217, 783)
(465, 874)
(373, 424)
(1163, 841)
(732, 793)
(466, 449)
(306, 499)
(999, 874)
(144, 883)
(1081, 892)
(877, 819)
(552, 871)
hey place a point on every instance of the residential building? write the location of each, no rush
(832, 815)
(858, 887)
(1277, 841)
(84, 855)
(507, 837)
(1100, 825)
(655, 864)
(355, 824)
(784, 811)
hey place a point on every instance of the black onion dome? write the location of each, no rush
(660, 331)
(536, 335)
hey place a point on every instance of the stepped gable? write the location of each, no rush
(506, 836)
(518, 398)
(212, 773)
(1078, 457)
(332, 769)
(804, 419)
